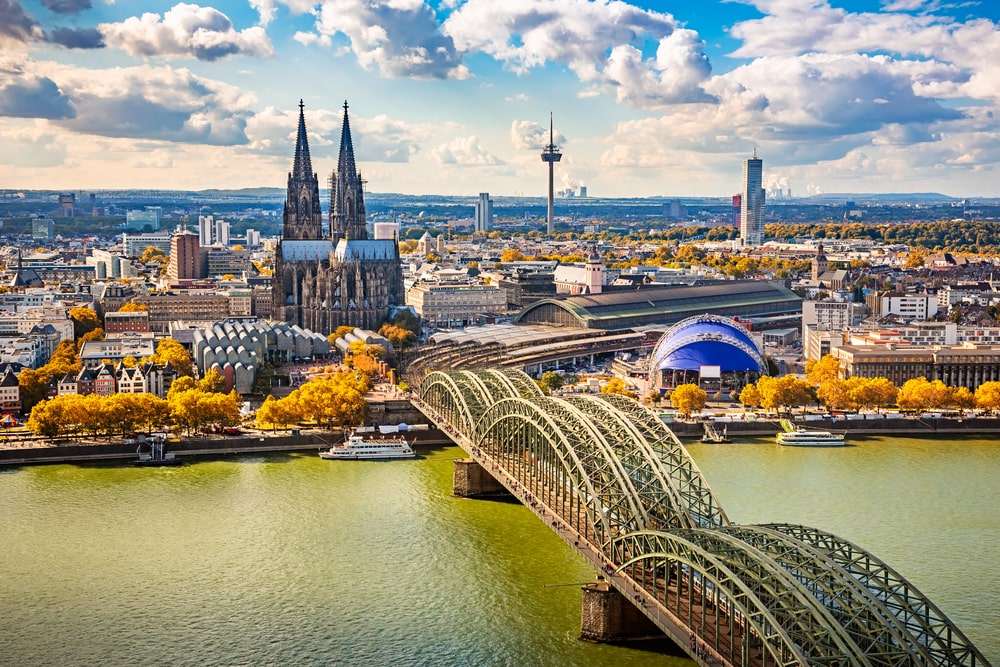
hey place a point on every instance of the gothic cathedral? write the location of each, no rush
(321, 283)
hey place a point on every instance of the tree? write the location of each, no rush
(212, 381)
(987, 396)
(617, 386)
(172, 352)
(750, 397)
(919, 394)
(688, 398)
(787, 391)
(550, 381)
(963, 399)
(511, 255)
(84, 319)
(93, 334)
(152, 254)
(822, 370)
(133, 307)
(868, 393)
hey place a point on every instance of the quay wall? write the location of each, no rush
(875, 425)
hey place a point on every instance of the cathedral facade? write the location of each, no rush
(344, 279)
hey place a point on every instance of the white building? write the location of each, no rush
(580, 278)
(385, 231)
(483, 218)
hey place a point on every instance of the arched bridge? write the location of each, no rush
(616, 483)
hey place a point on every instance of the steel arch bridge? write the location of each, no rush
(612, 474)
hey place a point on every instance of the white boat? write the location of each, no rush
(361, 447)
(808, 438)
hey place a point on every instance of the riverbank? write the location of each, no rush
(869, 425)
(26, 452)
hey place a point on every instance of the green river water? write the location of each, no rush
(288, 559)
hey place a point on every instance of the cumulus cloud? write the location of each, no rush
(76, 38)
(394, 37)
(465, 151)
(67, 6)
(34, 97)
(15, 25)
(601, 42)
(149, 102)
(527, 134)
(186, 31)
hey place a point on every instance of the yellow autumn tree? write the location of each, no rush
(688, 398)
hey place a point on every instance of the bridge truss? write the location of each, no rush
(766, 595)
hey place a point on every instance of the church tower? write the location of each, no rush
(303, 218)
(347, 196)
(820, 264)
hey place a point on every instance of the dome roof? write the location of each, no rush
(707, 340)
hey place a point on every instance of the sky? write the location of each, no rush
(452, 97)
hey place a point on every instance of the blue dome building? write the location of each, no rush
(706, 347)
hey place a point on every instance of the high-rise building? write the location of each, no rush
(737, 208)
(221, 233)
(206, 230)
(185, 257)
(752, 206)
(67, 205)
(484, 213)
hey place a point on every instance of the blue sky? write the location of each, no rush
(657, 98)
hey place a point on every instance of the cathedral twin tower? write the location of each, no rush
(346, 279)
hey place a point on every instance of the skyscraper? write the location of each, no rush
(484, 213)
(752, 204)
(185, 257)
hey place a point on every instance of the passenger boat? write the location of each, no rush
(360, 447)
(807, 438)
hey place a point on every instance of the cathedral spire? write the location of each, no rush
(345, 164)
(302, 168)
(347, 197)
(303, 218)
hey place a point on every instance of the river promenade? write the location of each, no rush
(20, 450)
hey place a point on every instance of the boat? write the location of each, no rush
(801, 437)
(157, 456)
(359, 446)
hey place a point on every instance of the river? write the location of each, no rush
(287, 559)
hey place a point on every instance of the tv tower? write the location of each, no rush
(551, 155)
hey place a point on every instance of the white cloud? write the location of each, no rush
(601, 42)
(151, 102)
(186, 31)
(29, 147)
(527, 134)
(397, 38)
(465, 151)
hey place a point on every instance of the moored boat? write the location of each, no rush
(359, 447)
(808, 438)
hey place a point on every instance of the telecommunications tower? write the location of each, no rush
(551, 155)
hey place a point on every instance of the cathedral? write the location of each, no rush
(320, 282)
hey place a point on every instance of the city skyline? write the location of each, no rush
(450, 97)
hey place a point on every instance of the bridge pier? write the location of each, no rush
(472, 481)
(606, 616)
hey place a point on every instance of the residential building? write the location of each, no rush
(10, 392)
(94, 353)
(133, 322)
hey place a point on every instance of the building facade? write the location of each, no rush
(185, 257)
(752, 203)
(483, 219)
(321, 283)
